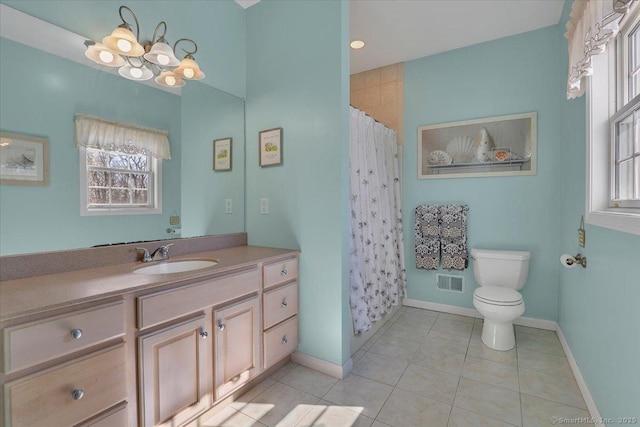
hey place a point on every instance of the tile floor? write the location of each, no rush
(426, 369)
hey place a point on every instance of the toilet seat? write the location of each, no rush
(497, 295)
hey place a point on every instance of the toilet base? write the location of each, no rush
(498, 335)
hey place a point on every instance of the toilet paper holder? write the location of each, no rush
(572, 261)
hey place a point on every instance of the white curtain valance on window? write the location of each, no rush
(592, 24)
(94, 132)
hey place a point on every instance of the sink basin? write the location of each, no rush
(176, 266)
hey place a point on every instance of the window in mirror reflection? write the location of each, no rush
(117, 182)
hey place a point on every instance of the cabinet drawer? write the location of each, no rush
(163, 306)
(280, 304)
(35, 342)
(280, 272)
(280, 341)
(113, 418)
(48, 399)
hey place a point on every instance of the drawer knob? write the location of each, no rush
(284, 303)
(284, 340)
(221, 326)
(76, 334)
(77, 394)
(284, 271)
(204, 335)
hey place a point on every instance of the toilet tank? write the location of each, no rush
(500, 268)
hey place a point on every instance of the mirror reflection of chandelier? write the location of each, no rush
(136, 61)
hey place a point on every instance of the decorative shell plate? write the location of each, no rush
(439, 157)
(461, 149)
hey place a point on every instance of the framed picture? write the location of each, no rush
(222, 154)
(270, 147)
(494, 146)
(24, 160)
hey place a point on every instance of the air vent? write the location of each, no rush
(447, 282)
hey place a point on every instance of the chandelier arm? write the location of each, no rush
(188, 52)
(135, 18)
(164, 32)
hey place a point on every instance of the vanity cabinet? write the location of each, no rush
(237, 345)
(160, 354)
(174, 379)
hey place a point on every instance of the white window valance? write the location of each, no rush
(94, 132)
(592, 24)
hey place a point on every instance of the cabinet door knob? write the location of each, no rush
(284, 303)
(284, 271)
(77, 394)
(204, 335)
(76, 334)
(284, 340)
(221, 326)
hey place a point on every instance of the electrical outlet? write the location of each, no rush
(228, 206)
(264, 206)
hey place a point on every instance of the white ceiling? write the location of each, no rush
(401, 30)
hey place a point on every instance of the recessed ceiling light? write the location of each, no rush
(356, 44)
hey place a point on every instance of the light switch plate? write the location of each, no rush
(228, 206)
(264, 206)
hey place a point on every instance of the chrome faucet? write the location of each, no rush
(163, 250)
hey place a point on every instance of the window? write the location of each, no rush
(116, 182)
(613, 116)
(120, 167)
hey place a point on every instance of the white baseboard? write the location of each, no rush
(582, 384)
(320, 365)
(531, 322)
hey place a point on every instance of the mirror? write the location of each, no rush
(42, 92)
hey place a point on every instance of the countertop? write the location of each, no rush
(21, 297)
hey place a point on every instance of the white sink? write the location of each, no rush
(176, 266)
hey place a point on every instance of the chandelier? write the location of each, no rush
(143, 61)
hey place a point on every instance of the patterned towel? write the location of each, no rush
(453, 236)
(427, 234)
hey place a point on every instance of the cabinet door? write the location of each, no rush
(237, 345)
(174, 381)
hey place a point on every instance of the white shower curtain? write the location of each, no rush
(377, 273)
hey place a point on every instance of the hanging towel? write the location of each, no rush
(453, 236)
(427, 234)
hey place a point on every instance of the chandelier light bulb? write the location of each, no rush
(162, 59)
(189, 73)
(106, 56)
(124, 45)
(136, 73)
(170, 81)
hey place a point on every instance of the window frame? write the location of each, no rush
(155, 191)
(607, 69)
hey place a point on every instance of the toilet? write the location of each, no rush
(500, 274)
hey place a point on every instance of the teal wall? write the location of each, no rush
(518, 74)
(208, 114)
(218, 27)
(40, 98)
(598, 306)
(296, 80)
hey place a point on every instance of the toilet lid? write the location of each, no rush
(498, 295)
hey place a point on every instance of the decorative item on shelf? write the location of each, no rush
(142, 61)
(461, 149)
(483, 145)
(439, 157)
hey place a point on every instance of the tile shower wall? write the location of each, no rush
(519, 213)
(380, 94)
